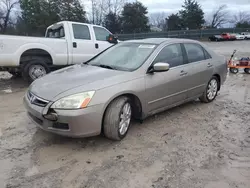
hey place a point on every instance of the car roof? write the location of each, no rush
(160, 40)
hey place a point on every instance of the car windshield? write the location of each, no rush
(124, 56)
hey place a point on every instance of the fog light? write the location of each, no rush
(51, 116)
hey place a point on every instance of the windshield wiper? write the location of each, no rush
(105, 66)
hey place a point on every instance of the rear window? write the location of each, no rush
(55, 33)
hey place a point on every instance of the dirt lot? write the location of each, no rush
(193, 146)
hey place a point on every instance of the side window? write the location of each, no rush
(171, 54)
(194, 52)
(81, 32)
(101, 33)
(207, 55)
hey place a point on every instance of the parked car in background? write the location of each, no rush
(239, 36)
(133, 79)
(216, 38)
(228, 36)
(246, 35)
(65, 43)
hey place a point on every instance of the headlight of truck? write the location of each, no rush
(76, 101)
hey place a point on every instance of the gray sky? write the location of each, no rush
(208, 6)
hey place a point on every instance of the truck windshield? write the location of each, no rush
(124, 56)
(55, 33)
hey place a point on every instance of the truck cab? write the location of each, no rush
(65, 43)
(84, 40)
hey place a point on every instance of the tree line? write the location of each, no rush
(32, 17)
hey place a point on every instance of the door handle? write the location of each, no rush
(74, 45)
(96, 46)
(183, 73)
(209, 65)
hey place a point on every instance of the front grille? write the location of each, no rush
(63, 126)
(36, 100)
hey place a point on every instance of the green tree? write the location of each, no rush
(37, 15)
(192, 15)
(174, 22)
(134, 18)
(71, 10)
(244, 24)
(112, 22)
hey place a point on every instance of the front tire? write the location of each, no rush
(117, 118)
(211, 90)
(234, 70)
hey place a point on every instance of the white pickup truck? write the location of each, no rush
(246, 35)
(65, 43)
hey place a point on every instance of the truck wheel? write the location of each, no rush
(247, 70)
(117, 118)
(211, 90)
(234, 70)
(36, 68)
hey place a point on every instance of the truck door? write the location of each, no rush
(101, 35)
(82, 43)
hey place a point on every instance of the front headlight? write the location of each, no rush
(76, 101)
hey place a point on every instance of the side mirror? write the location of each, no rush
(159, 67)
(112, 39)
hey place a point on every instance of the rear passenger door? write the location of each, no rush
(200, 68)
(83, 47)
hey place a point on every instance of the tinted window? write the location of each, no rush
(171, 54)
(101, 33)
(81, 31)
(194, 52)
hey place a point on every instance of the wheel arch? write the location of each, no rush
(31, 49)
(219, 79)
(29, 54)
(136, 105)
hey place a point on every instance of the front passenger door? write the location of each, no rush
(101, 35)
(165, 89)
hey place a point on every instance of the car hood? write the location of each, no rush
(84, 76)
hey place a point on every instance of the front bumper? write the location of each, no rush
(76, 123)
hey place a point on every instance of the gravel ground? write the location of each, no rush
(192, 146)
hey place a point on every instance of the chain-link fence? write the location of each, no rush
(190, 34)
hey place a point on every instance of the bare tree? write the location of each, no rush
(6, 7)
(219, 17)
(158, 19)
(240, 17)
(100, 8)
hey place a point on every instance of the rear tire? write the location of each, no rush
(211, 90)
(36, 68)
(113, 127)
(247, 70)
